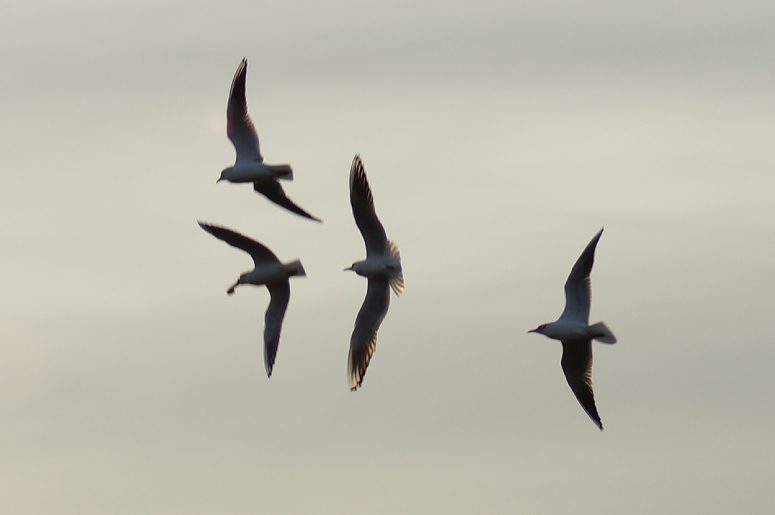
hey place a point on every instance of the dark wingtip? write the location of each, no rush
(274, 192)
(357, 383)
(207, 227)
(304, 214)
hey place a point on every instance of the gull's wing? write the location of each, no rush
(578, 291)
(577, 365)
(364, 338)
(260, 254)
(274, 192)
(363, 210)
(273, 320)
(239, 126)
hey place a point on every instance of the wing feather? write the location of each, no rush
(578, 288)
(577, 365)
(239, 126)
(280, 293)
(274, 191)
(260, 254)
(363, 342)
(364, 213)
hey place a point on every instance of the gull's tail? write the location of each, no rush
(396, 281)
(284, 172)
(602, 333)
(294, 268)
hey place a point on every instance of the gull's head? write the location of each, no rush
(360, 268)
(230, 291)
(540, 329)
(224, 175)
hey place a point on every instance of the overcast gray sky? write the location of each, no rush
(498, 137)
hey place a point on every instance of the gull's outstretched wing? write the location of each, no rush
(260, 254)
(274, 192)
(280, 292)
(364, 338)
(363, 210)
(578, 291)
(239, 126)
(577, 365)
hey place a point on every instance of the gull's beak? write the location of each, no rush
(219, 180)
(230, 291)
(533, 330)
(348, 268)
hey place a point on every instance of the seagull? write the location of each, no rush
(249, 165)
(575, 333)
(268, 271)
(382, 267)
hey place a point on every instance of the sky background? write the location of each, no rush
(498, 137)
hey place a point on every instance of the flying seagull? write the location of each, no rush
(382, 267)
(575, 333)
(249, 165)
(268, 271)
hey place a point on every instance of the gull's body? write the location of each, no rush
(382, 267)
(249, 165)
(575, 333)
(268, 271)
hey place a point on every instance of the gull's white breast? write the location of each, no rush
(378, 267)
(265, 274)
(248, 172)
(567, 330)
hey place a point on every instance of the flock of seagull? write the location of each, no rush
(382, 266)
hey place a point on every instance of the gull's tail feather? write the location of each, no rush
(294, 268)
(602, 333)
(284, 172)
(396, 281)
